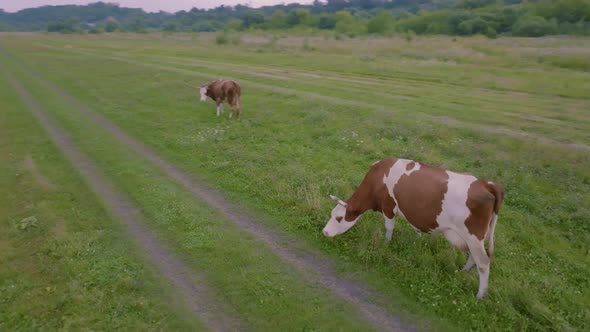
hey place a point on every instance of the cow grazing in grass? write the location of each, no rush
(460, 206)
(221, 91)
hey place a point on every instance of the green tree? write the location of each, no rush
(298, 17)
(253, 18)
(278, 20)
(136, 25)
(380, 23)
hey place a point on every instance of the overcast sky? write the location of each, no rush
(148, 5)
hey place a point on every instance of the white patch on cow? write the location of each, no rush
(454, 206)
(455, 239)
(203, 92)
(395, 173)
(335, 227)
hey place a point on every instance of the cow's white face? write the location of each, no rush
(337, 224)
(203, 92)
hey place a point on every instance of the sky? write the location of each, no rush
(147, 5)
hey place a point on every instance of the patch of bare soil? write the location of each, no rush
(59, 229)
(195, 293)
(40, 179)
(313, 265)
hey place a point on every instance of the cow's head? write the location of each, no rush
(340, 220)
(203, 92)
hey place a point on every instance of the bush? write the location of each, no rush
(111, 26)
(473, 26)
(426, 22)
(170, 27)
(224, 37)
(326, 22)
(410, 35)
(235, 24)
(96, 30)
(205, 26)
(69, 25)
(534, 26)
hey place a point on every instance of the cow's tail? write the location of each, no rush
(238, 98)
(498, 193)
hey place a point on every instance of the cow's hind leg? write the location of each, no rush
(479, 255)
(458, 242)
(470, 263)
(239, 107)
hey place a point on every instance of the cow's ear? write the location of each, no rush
(338, 200)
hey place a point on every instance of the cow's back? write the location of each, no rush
(431, 198)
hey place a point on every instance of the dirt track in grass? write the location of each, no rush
(196, 295)
(316, 268)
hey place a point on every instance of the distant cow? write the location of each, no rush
(223, 90)
(460, 206)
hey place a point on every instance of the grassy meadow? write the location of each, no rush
(317, 112)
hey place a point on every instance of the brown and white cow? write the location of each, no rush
(460, 206)
(221, 91)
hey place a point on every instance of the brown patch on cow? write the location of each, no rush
(338, 219)
(372, 193)
(420, 196)
(480, 202)
(388, 205)
(40, 179)
(410, 166)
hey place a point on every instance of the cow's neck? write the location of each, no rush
(361, 201)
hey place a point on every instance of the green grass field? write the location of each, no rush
(317, 113)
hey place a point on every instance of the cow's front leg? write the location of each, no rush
(389, 224)
(218, 109)
(469, 264)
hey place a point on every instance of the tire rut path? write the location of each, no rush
(314, 266)
(194, 293)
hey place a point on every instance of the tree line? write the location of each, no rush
(530, 18)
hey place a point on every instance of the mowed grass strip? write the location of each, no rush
(263, 291)
(508, 64)
(292, 152)
(64, 263)
(521, 115)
